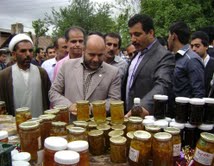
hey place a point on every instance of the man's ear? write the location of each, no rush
(14, 55)
(174, 36)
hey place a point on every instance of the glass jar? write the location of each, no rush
(117, 111)
(140, 148)
(55, 112)
(22, 156)
(22, 114)
(52, 145)
(82, 148)
(115, 133)
(181, 127)
(162, 123)
(96, 142)
(66, 158)
(76, 133)
(2, 108)
(203, 128)
(30, 138)
(118, 149)
(134, 123)
(190, 135)
(162, 149)
(129, 136)
(181, 111)
(176, 141)
(106, 129)
(64, 113)
(83, 110)
(99, 111)
(4, 136)
(58, 129)
(160, 106)
(204, 150)
(196, 111)
(209, 113)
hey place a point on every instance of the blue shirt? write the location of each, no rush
(188, 74)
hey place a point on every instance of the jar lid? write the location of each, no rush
(182, 100)
(80, 123)
(67, 157)
(130, 134)
(115, 133)
(69, 126)
(148, 122)
(22, 109)
(135, 119)
(78, 146)
(126, 119)
(150, 117)
(209, 137)
(23, 156)
(47, 117)
(196, 101)
(52, 111)
(161, 123)
(142, 135)
(3, 134)
(177, 125)
(108, 119)
(163, 136)
(35, 120)
(103, 127)
(60, 107)
(206, 127)
(28, 125)
(209, 100)
(13, 152)
(59, 123)
(77, 130)
(136, 100)
(153, 128)
(172, 130)
(95, 133)
(118, 140)
(104, 123)
(118, 127)
(2, 103)
(20, 163)
(116, 102)
(55, 143)
(99, 102)
(168, 119)
(92, 124)
(161, 97)
(188, 125)
(82, 102)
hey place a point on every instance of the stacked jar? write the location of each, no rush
(63, 113)
(160, 106)
(117, 111)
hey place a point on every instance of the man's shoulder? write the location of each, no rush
(109, 68)
(6, 71)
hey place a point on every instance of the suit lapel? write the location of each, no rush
(78, 72)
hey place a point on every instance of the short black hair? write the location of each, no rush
(39, 49)
(162, 41)
(49, 47)
(145, 20)
(209, 30)
(74, 28)
(182, 30)
(201, 35)
(114, 35)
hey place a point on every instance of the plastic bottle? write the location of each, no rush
(137, 109)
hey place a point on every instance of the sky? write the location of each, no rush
(26, 11)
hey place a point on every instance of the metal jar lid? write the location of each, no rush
(59, 123)
(115, 133)
(103, 127)
(60, 107)
(163, 136)
(118, 140)
(52, 111)
(172, 130)
(76, 130)
(95, 133)
(152, 128)
(47, 117)
(135, 119)
(207, 137)
(130, 134)
(22, 109)
(142, 135)
(118, 127)
(28, 125)
(80, 123)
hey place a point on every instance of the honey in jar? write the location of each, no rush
(182, 107)
(134, 123)
(30, 138)
(76, 133)
(64, 113)
(162, 149)
(53, 145)
(22, 114)
(58, 129)
(55, 112)
(83, 110)
(204, 150)
(140, 148)
(4, 136)
(82, 148)
(117, 111)
(99, 111)
(118, 149)
(66, 158)
(209, 113)
(2, 108)
(160, 106)
(96, 142)
(106, 129)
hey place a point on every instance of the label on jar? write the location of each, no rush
(203, 157)
(176, 150)
(134, 154)
(39, 143)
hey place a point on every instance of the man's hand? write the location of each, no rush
(73, 109)
(143, 113)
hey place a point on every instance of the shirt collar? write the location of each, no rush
(183, 50)
(206, 60)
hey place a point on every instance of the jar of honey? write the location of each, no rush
(129, 136)
(160, 106)
(117, 111)
(4, 136)
(64, 113)
(115, 133)
(99, 111)
(190, 135)
(134, 123)
(2, 108)
(83, 110)
(106, 129)
(22, 114)
(96, 142)
(82, 148)
(30, 138)
(208, 113)
(204, 150)
(182, 109)
(66, 158)
(76, 133)
(55, 112)
(181, 127)
(58, 129)
(203, 128)
(52, 145)
(118, 149)
(162, 149)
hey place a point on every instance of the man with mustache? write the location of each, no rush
(24, 84)
(150, 70)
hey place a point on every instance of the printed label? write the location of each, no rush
(39, 143)
(203, 157)
(176, 150)
(40, 157)
(133, 154)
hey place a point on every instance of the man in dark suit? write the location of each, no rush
(199, 44)
(150, 71)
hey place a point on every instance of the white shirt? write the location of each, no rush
(206, 60)
(25, 74)
(49, 65)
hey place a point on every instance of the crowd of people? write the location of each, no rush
(94, 67)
